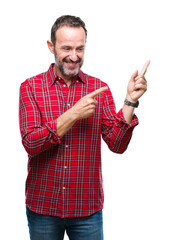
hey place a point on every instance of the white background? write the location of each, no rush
(122, 36)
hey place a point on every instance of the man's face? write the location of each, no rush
(69, 50)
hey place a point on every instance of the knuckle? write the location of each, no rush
(90, 100)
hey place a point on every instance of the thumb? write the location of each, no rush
(134, 75)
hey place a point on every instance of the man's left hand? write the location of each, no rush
(137, 85)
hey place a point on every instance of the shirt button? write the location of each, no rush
(77, 81)
(67, 146)
(64, 85)
(59, 78)
(63, 188)
(65, 167)
(68, 104)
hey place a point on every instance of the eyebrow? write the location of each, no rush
(82, 46)
(69, 46)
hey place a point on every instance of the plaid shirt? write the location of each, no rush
(64, 173)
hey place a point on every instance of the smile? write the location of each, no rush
(71, 65)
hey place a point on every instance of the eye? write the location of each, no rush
(66, 48)
(80, 49)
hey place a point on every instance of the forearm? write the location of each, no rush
(65, 122)
(39, 139)
(117, 132)
(128, 111)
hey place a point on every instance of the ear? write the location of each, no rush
(50, 46)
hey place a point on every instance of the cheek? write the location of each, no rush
(61, 55)
(81, 56)
(61, 58)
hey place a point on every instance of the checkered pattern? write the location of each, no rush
(64, 173)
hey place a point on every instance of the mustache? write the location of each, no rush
(68, 60)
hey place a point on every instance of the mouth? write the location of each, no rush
(71, 65)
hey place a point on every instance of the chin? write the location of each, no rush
(71, 73)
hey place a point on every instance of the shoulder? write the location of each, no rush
(35, 81)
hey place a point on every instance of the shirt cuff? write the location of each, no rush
(52, 128)
(122, 120)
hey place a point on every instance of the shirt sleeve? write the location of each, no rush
(36, 137)
(116, 132)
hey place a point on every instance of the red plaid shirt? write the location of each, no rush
(64, 173)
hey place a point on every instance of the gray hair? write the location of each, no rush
(66, 20)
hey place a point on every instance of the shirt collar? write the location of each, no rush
(54, 76)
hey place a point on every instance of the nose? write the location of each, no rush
(73, 55)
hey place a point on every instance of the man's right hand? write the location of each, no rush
(85, 107)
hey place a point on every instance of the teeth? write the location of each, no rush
(72, 64)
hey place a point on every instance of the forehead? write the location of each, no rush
(65, 35)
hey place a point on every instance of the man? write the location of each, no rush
(63, 114)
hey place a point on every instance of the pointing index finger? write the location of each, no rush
(97, 92)
(144, 69)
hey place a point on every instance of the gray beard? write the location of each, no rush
(63, 70)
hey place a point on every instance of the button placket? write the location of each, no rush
(65, 92)
(66, 146)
